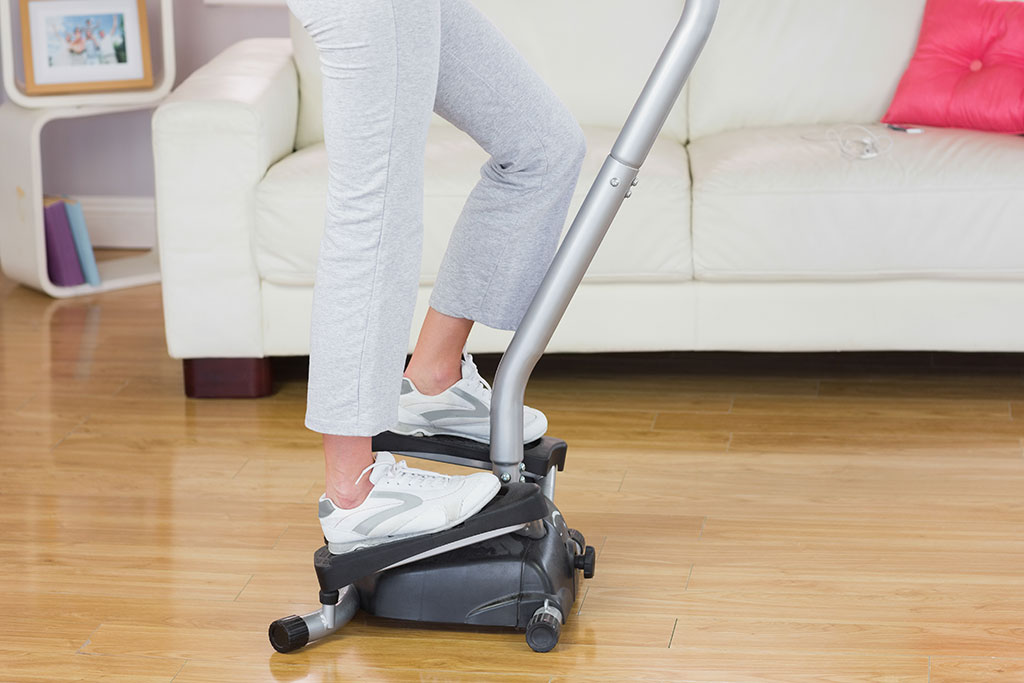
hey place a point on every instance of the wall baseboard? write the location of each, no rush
(120, 222)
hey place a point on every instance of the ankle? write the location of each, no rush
(344, 458)
(435, 380)
(350, 497)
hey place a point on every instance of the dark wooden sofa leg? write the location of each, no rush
(228, 377)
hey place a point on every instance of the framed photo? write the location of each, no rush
(74, 46)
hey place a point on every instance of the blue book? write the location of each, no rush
(83, 245)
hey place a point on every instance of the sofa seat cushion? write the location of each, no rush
(650, 239)
(782, 203)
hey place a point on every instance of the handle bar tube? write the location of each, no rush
(596, 214)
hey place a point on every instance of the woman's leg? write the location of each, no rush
(506, 235)
(386, 64)
(379, 62)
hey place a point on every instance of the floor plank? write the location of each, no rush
(976, 670)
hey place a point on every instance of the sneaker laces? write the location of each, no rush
(467, 359)
(400, 470)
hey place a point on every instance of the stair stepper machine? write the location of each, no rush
(515, 563)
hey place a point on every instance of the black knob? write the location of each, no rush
(289, 634)
(587, 562)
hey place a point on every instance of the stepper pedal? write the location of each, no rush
(538, 456)
(515, 504)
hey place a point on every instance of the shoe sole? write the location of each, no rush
(342, 548)
(412, 430)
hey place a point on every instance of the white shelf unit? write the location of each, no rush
(164, 80)
(22, 118)
(22, 235)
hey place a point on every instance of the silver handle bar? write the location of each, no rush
(596, 214)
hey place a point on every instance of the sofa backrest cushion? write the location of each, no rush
(778, 62)
(595, 54)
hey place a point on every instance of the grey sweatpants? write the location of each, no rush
(386, 65)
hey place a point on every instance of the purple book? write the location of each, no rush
(61, 258)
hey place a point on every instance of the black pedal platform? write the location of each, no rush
(517, 503)
(539, 456)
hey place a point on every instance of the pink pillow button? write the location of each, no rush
(976, 65)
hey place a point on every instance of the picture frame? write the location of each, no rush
(75, 46)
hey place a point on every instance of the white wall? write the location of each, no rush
(112, 155)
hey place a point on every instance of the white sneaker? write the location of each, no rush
(404, 502)
(463, 409)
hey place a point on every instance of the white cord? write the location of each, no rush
(856, 142)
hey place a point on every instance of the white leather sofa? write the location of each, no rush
(749, 229)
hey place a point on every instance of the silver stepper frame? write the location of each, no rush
(613, 185)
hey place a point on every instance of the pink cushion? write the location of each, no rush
(968, 69)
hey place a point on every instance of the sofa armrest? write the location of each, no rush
(214, 138)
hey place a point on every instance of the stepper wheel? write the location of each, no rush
(578, 538)
(542, 632)
(289, 634)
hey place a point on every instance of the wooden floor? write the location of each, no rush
(832, 517)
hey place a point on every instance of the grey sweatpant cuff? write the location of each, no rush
(490, 319)
(339, 427)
